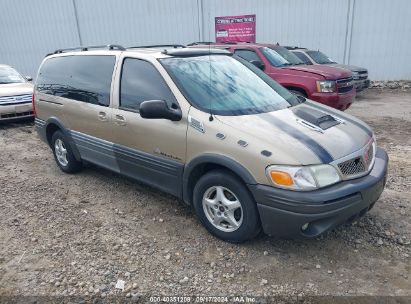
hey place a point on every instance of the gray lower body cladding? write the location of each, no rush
(284, 212)
(163, 174)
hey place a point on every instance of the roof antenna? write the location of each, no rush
(211, 118)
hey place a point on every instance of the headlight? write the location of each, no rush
(355, 75)
(326, 86)
(302, 178)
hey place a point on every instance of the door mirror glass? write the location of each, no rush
(259, 64)
(158, 109)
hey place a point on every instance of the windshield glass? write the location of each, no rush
(10, 75)
(224, 85)
(320, 57)
(280, 56)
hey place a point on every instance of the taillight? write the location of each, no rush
(34, 106)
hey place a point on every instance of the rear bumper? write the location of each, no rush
(284, 212)
(335, 100)
(361, 85)
(16, 112)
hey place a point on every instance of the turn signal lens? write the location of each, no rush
(281, 178)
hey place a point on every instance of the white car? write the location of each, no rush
(16, 94)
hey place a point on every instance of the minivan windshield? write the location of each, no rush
(224, 85)
(10, 75)
(279, 56)
(320, 57)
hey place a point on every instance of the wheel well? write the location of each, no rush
(199, 171)
(301, 90)
(51, 128)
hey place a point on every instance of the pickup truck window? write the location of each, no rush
(247, 55)
(320, 57)
(303, 57)
(280, 56)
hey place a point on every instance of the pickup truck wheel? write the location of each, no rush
(225, 207)
(298, 93)
(62, 153)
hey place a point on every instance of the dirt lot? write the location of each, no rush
(78, 234)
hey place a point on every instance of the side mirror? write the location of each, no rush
(259, 64)
(158, 109)
(28, 78)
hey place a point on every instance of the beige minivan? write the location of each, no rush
(214, 131)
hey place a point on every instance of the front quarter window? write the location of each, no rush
(223, 85)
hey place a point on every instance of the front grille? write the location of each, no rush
(345, 85)
(17, 99)
(363, 75)
(352, 166)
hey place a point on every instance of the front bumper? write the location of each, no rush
(284, 212)
(361, 85)
(16, 112)
(340, 101)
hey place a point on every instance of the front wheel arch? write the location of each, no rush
(203, 164)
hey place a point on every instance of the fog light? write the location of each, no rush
(305, 226)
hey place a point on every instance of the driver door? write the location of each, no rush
(150, 150)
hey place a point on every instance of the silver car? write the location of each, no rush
(15, 95)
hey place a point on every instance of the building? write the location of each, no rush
(371, 33)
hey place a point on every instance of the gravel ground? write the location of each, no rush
(79, 234)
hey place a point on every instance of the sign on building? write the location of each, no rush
(235, 28)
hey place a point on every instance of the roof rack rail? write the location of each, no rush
(174, 46)
(293, 47)
(86, 48)
(211, 42)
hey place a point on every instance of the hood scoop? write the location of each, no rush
(315, 119)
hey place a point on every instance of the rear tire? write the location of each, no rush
(225, 207)
(63, 154)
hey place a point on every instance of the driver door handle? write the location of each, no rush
(119, 119)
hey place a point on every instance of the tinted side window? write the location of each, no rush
(140, 81)
(247, 55)
(303, 57)
(82, 78)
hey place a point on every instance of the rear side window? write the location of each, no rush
(140, 81)
(82, 78)
(303, 57)
(247, 55)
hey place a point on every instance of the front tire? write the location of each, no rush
(225, 207)
(63, 154)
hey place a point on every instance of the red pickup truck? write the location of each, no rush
(328, 85)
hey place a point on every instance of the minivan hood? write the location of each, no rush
(280, 131)
(352, 68)
(12, 89)
(330, 73)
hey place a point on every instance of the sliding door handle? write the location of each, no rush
(119, 119)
